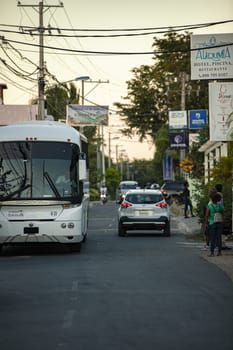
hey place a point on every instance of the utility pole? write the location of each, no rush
(100, 150)
(41, 8)
(182, 105)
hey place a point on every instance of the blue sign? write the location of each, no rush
(178, 140)
(197, 118)
(167, 168)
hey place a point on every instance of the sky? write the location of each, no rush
(112, 70)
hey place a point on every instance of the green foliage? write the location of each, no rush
(58, 97)
(94, 194)
(156, 89)
(222, 173)
(112, 181)
(223, 169)
(196, 156)
(143, 171)
(141, 114)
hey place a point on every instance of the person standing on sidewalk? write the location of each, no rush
(219, 189)
(187, 200)
(214, 219)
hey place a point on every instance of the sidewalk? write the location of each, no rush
(191, 227)
(188, 226)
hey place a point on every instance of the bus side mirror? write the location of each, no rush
(82, 167)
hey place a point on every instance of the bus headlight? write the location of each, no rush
(70, 225)
(63, 225)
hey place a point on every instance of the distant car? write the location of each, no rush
(123, 187)
(155, 186)
(173, 190)
(144, 209)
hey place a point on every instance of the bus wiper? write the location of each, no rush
(51, 184)
(21, 189)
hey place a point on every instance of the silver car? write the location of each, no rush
(123, 187)
(144, 210)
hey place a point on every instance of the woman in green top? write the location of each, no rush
(215, 228)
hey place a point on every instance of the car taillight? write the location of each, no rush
(161, 204)
(125, 205)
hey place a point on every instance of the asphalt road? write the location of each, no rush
(136, 292)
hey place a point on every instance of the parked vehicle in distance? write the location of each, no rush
(155, 186)
(144, 209)
(173, 190)
(123, 187)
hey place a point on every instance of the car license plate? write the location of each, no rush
(144, 212)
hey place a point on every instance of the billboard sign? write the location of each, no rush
(178, 120)
(220, 110)
(178, 140)
(87, 115)
(212, 56)
(197, 118)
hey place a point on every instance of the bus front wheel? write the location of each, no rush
(75, 247)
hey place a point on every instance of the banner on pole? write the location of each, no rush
(178, 140)
(221, 110)
(167, 168)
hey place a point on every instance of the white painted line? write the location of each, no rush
(74, 286)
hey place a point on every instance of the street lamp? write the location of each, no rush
(109, 147)
(82, 78)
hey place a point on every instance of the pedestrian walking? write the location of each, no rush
(219, 188)
(214, 219)
(187, 200)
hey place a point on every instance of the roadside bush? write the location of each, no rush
(94, 194)
(222, 173)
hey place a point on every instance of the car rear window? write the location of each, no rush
(128, 186)
(144, 198)
(173, 186)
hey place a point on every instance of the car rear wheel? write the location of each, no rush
(167, 230)
(121, 230)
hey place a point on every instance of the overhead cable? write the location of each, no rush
(166, 28)
(118, 52)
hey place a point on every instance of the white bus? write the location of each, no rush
(43, 169)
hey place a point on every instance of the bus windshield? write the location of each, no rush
(32, 170)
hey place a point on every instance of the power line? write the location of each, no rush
(165, 28)
(117, 52)
(40, 8)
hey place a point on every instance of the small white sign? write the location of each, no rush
(220, 110)
(178, 120)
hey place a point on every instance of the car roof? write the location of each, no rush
(128, 182)
(173, 184)
(146, 191)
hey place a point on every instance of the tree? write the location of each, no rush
(197, 157)
(156, 89)
(112, 180)
(57, 98)
(221, 173)
(142, 171)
